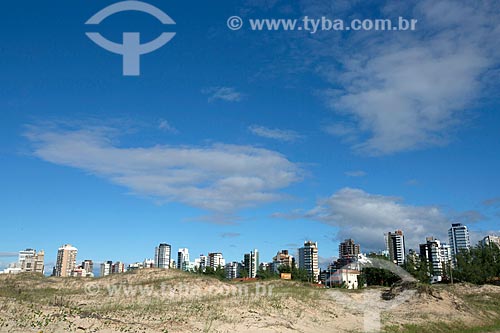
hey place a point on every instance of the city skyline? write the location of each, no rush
(165, 257)
(230, 137)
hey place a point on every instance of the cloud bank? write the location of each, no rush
(393, 92)
(366, 217)
(219, 178)
(274, 133)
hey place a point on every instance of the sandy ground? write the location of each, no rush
(169, 301)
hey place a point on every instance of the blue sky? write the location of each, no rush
(234, 140)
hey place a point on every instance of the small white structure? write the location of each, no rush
(12, 269)
(345, 277)
(78, 272)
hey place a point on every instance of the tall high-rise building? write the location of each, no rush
(395, 244)
(232, 270)
(216, 260)
(31, 261)
(183, 259)
(88, 266)
(118, 267)
(430, 252)
(413, 258)
(308, 260)
(66, 260)
(202, 262)
(251, 261)
(438, 256)
(106, 268)
(162, 256)
(282, 258)
(458, 236)
(349, 249)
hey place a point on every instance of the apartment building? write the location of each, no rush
(66, 260)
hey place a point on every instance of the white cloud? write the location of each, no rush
(164, 125)
(228, 94)
(274, 133)
(220, 178)
(356, 173)
(407, 91)
(366, 217)
(411, 98)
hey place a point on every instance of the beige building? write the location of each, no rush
(66, 260)
(31, 261)
(282, 258)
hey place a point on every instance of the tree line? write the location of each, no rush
(478, 265)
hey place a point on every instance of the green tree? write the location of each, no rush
(209, 271)
(220, 273)
(243, 273)
(379, 277)
(300, 274)
(264, 274)
(376, 276)
(284, 269)
(422, 273)
(479, 265)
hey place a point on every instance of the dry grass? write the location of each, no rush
(170, 301)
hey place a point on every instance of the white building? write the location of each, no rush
(183, 259)
(106, 268)
(251, 261)
(344, 277)
(88, 266)
(216, 260)
(446, 255)
(80, 272)
(12, 269)
(162, 256)
(148, 263)
(395, 245)
(459, 239)
(31, 261)
(308, 260)
(199, 263)
(203, 262)
(438, 256)
(232, 270)
(135, 265)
